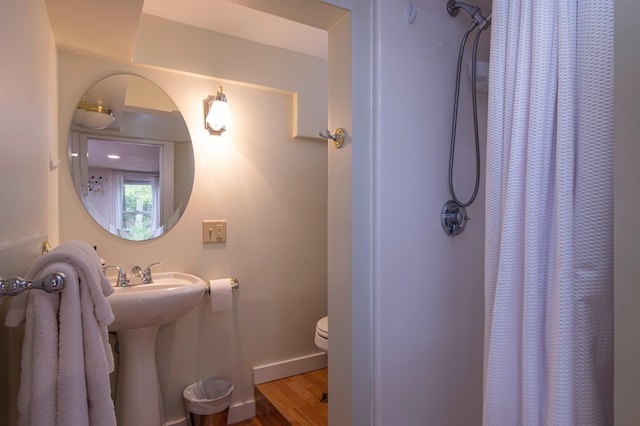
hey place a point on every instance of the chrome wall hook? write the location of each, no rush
(337, 137)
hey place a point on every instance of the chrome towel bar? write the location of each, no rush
(52, 283)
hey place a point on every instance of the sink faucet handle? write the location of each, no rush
(122, 280)
(146, 275)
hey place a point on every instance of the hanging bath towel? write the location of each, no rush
(66, 357)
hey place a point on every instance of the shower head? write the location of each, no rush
(453, 7)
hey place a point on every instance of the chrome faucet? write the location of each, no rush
(146, 275)
(122, 280)
(138, 275)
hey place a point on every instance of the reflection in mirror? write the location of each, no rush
(134, 176)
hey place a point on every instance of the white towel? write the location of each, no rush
(66, 357)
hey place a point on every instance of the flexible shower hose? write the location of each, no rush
(475, 116)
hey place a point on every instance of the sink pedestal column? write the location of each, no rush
(138, 398)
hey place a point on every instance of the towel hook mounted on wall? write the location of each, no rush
(337, 136)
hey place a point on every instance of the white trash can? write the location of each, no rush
(210, 400)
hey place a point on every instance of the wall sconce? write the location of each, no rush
(216, 113)
(93, 116)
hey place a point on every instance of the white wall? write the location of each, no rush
(161, 42)
(626, 206)
(271, 189)
(28, 123)
(339, 227)
(428, 287)
(364, 114)
(416, 298)
(417, 295)
(28, 128)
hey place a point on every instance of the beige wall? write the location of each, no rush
(271, 189)
(28, 124)
(339, 224)
(177, 46)
(28, 189)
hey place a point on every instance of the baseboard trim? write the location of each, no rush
(242, 411)
(287, 368)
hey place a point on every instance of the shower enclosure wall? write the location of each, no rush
(428, 291)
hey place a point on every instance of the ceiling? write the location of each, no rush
(144, 158)
(110, 28)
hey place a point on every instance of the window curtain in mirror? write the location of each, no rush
(155, 213)
(116, 195)
(78, 167)
(549, 234)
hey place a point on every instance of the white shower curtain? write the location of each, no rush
(549, 234)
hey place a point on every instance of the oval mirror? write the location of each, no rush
(130, 157)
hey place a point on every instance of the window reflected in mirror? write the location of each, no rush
(138, 208)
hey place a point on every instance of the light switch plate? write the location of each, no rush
(214, 231)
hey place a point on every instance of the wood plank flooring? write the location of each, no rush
(292, 401)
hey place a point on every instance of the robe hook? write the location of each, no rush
(337, 136)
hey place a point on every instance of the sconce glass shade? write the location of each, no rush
(216, 113)
(93, 116)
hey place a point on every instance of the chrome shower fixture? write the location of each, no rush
(453, 7)
(454, 215)
(453, 218)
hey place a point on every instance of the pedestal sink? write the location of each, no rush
(139, 311)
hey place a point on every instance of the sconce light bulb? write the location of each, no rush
(218, 115)
(217, 118)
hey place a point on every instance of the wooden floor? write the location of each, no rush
(295, 401)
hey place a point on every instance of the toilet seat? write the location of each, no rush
(322, 334)
(322, 327)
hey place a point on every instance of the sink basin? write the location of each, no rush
(139, 312)
(171, 295)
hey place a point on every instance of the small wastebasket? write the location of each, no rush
(210, 400)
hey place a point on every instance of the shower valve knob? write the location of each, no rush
(453, 218)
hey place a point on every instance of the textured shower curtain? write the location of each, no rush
(549, 233)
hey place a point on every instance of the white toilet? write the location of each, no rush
(322, 334)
